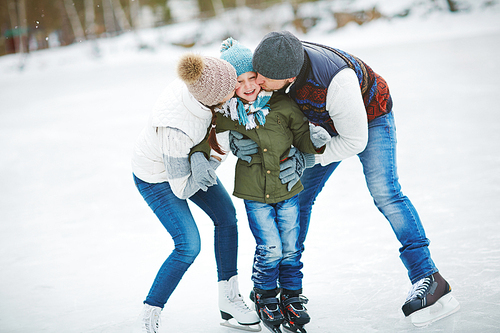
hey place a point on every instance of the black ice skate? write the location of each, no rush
(430, 300)
(267, 306)
(295, 313)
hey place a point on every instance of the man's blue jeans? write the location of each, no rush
(176, 217)
(277, 254)
(380, 169)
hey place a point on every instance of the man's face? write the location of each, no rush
(270, 84)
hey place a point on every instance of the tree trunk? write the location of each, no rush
(76, 25)
(218, 7)
(90, 30)
(121, 17)
(135, 8)
(23, 23)
(13, 23)
(66, 36)
(206, 8)
(109, 18)
(452, 5)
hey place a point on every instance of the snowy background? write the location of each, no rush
(79, 247)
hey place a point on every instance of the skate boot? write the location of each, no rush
(429, 300)
(149, 320)
(267, 306)
(232, 305)
(295, 313)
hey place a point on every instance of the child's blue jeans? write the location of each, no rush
(277, 254)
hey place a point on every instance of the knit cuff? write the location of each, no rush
(214, 163)
(310, 160)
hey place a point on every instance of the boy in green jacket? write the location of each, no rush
(275, 123)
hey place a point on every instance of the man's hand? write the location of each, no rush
(242, 148)
(319, 135)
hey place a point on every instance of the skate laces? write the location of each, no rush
(419, 288)
(151, 319)
(234, 296)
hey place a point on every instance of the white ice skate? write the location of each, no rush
(429, 300)
(233, 309)
(149, 320)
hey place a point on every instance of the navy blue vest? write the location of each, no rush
(321, 64)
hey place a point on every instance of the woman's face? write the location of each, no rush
(228, 97)
(248, 89)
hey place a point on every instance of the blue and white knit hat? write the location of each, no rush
(237, 55)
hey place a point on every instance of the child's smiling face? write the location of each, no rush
(248, 89)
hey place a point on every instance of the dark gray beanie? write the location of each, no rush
(279, 56)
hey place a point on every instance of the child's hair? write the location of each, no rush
(212, 138)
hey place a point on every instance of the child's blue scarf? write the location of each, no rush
(248, 114)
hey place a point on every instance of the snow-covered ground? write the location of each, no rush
(79, 248)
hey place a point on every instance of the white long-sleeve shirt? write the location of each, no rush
(345, 106)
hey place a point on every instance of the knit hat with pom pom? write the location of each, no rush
(208, 79)
(237, 55)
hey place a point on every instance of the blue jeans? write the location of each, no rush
(176, 217)
(380, 170)
(277, 254)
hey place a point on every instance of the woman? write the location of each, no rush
(166, 175)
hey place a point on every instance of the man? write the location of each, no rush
(341, 93)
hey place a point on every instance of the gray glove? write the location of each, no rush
(292, 169)
(214, 163)
(202, 171)
(242, 148)
(319, 135)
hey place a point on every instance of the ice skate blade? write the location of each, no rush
(444, 307)
(273, 328)
(236, 325)
(294, 328)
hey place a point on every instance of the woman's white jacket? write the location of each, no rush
(161, 153)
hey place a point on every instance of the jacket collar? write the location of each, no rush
(193, 105)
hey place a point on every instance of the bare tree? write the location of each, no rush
(218, 7)
(13, 19)
(109, 17)
(134, 13)
(121, 17)
(21, 9)
(76, 25)
(452, 5)
(17, 16)
(90, 28)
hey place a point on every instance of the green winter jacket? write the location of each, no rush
(285, 126)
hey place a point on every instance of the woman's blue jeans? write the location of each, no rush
(176, 217)
(277, 254)
(380, 170)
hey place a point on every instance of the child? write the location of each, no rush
(274, 122)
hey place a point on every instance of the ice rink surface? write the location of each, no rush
(79, 248)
